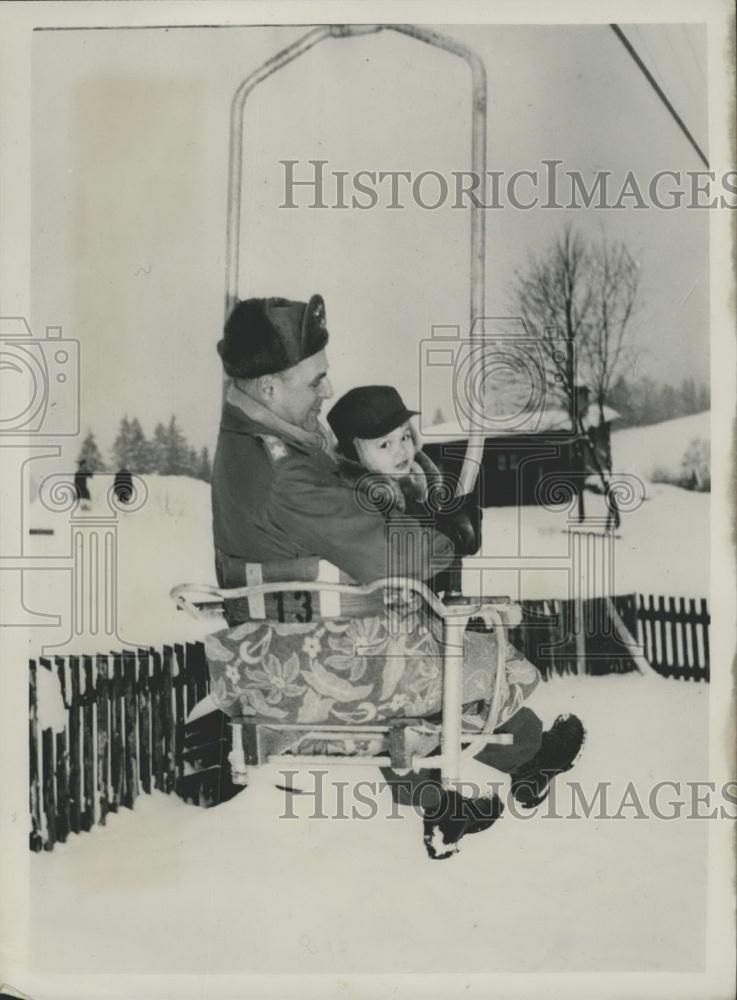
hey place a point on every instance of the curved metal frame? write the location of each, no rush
(474, 451)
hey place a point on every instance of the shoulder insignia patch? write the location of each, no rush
(274, 446)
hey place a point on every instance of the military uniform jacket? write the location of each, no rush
(274, 498)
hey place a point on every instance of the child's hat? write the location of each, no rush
(368, 411)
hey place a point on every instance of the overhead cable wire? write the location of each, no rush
(659, 91)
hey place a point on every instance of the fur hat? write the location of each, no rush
(266, 336)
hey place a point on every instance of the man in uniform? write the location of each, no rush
(276, 498)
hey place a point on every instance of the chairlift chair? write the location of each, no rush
(400, 741)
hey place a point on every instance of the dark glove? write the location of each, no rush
(462, 527)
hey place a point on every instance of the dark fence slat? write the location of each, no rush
(117, 774)
(34, 791)
(62, 788)
(88, 744)
(705, 620)
(157, 722)
(144, 721)
(179, 711)
(103, 737)
(131, 720)
(191, 680)
(61, 740)
(167, 711)
(75, 752)
(48, 791)
(202, 672)
(684, 631)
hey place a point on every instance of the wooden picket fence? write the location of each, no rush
(124, 735)
(125, 712)
(675, 637)
(569, 637)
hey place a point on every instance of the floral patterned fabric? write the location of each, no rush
(353, 670)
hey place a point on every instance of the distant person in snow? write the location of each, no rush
(123, 486)
(80, 484)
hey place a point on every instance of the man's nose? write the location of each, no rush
(326, 388)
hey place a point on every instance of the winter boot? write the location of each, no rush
(452, 817)
(558, 751)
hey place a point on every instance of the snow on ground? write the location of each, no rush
(662, 547)
(643, 450)
(174, 888)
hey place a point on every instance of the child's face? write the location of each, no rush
(390, 455)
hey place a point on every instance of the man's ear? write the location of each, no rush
(265, 387)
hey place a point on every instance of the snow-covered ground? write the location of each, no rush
(644, 450)
(173, 888)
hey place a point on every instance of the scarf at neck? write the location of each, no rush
(256, 411)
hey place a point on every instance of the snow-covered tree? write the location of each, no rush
(131, 450)
(90, 453)
(696, 465)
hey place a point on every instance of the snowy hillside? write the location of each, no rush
(644, 450)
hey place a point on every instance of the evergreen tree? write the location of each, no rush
(139, 449)
(131, 450)
(204, 470)
(177, 455)
(90, 453)
(688, 396)
(668, 403)
(159, 450)
(121, 445)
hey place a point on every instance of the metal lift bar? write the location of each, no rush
(474, 451)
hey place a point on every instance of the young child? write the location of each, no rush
(379, 452)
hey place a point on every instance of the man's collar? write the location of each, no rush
(243, 409)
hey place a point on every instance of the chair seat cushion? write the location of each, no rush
(353, 671)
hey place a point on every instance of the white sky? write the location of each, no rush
(130, 165)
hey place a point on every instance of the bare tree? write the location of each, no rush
(607, 348)
(552, 294)
(579, 299)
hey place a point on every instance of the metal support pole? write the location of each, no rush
(450, 766)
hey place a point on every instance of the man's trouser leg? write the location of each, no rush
(527, 730)
(525, 727)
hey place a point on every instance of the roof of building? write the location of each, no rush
(549, 420)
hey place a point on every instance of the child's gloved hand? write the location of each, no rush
(462, 526)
